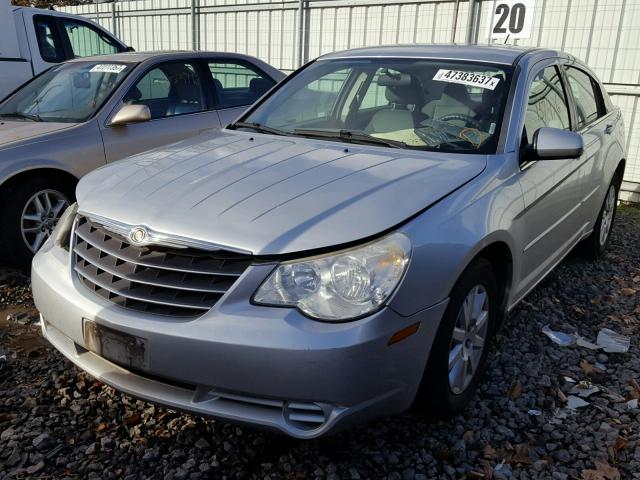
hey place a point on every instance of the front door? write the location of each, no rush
(551, 221)
(174, 93)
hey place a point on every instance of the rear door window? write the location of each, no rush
(238, 84)
(48, 38)
(589, 104)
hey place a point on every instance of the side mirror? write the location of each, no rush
(131, 114)
(555, 144)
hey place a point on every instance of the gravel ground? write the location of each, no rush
(55, 421)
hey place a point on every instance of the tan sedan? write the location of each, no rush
(87, 112)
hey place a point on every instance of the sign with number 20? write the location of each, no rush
(512, 19)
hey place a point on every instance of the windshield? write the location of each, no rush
(420, 104)
(70, 92)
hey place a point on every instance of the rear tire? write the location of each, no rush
(444, 392)
(28, 213)
(595, 244)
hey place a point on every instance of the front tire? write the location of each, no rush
(458, 356)
(28, 214)
(596, 243)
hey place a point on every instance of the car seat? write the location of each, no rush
(405, 96)
(186, 96)
(455, 99)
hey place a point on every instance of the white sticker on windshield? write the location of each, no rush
(108, 68)
(467, 78)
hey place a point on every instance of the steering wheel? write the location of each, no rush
(467, 119)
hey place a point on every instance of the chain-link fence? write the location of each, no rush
(286, 33)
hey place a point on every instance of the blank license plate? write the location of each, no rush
(118, 347)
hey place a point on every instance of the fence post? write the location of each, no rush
(301, 37)
(471, 21)
(195, 26)
(113, 19)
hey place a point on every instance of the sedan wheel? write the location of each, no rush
(40, 216)
(596, 243)
(468, 339)
(29, 211)
(608, 212)
(459, 351)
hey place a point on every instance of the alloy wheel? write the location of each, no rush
(607, 215)
(468, 339)
(40, 216)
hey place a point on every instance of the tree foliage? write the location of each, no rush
(49, 3)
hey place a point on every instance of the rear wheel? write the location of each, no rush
(28, 215)
(596, 243)
(459, 351)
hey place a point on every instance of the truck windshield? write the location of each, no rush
(70, 92)
(424, 104)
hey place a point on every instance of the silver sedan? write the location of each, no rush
(90, 111)
(347, 248)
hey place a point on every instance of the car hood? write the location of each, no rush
(12, 131)
(266, 194)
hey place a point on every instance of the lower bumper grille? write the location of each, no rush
(153, 279)
(301, 415)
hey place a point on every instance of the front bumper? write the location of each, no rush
(264, 366)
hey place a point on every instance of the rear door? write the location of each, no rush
(235, 85)
(596, 126)
(551, 221)
(175, 94)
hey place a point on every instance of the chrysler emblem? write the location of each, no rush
(138, 235)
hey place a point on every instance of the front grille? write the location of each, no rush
(153, 279)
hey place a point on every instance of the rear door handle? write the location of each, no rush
(608, 129)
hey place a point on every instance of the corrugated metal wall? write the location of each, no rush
(604, 33)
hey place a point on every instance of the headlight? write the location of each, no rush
(61, 235)
(340, 286)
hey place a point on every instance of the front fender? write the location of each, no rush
(448, 236)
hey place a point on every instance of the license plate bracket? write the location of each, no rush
(116, 346)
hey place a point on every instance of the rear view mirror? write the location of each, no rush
(131, 114)
(555, 144)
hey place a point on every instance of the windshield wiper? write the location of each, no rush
(33, 118)
(348, 136)
(258, 128)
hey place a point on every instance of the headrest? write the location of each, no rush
(259, 85)
(397, 80)
(401, 88)
(217, 84)
(186, 89)
(458, 92)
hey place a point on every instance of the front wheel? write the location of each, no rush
(28, 215)
(596, 243)
(459, 351)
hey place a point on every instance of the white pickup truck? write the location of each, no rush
(32, 39)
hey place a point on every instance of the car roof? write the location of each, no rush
(503, 54)
(138, 57)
